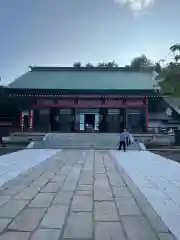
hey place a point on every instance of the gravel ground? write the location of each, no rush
(6, 150)
(173, 155)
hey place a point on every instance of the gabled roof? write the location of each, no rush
(69, 78)
(174, 103)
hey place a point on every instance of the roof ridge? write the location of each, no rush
(53, 68)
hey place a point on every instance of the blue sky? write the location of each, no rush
(59, 32)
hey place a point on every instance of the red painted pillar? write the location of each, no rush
(147, 114)
(31, 119)
(21, 122)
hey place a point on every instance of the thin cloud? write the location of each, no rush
(137, 6)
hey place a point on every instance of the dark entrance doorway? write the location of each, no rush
(103, 125)
(89, 119)
(54, 120)
(26, 122)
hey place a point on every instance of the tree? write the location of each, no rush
(170, 75)
(89, 65)
(175, 49)
(141, 62)
(111, 64)
(157, 68)
(101, 65)
(177, 58)
(77, 65)
(171, 80)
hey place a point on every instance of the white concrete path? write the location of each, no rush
(16, 163)
(159, 180)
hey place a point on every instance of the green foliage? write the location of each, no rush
(77, 65)
(112, 64)
(171, 80)
(157, 68)
(89, 65)
(177, 58)
(141, 62)
(171, 74)
(175, 47)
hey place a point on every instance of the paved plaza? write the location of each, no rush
(13, 164)
(77, 194)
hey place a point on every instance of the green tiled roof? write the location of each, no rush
(84, 79)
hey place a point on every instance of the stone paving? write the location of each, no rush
(75, 195)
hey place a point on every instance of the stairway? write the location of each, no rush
(82, 141)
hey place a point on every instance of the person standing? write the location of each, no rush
(122, 142)
(1, 140)
(127, 136)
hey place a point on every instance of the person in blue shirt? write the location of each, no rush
(127, 136)
(122, 141)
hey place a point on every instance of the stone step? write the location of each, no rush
(80, 140)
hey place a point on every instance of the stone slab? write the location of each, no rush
(55, 217)
(15, 236)
(72, 179)
(65, 170)
(58, 178)
(100, 170)
(84, 189)
(82, 203)
(27, 193)
(40, 182)
(105, 211)
(88, 192)
(28, 219)
(3, 223)
(102, 184)
(12, 208)
(13, 190)
(127, 206)
(166, 236)
(109, 231)
(52, 187)
(79, 226)
(42, 200)
(4, 199)
(46, 234)
(115, 180)
(102, 194)
(138, 228)
(63, 198)
(86, 179)
(121, 192)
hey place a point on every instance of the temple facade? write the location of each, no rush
(56, 99)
